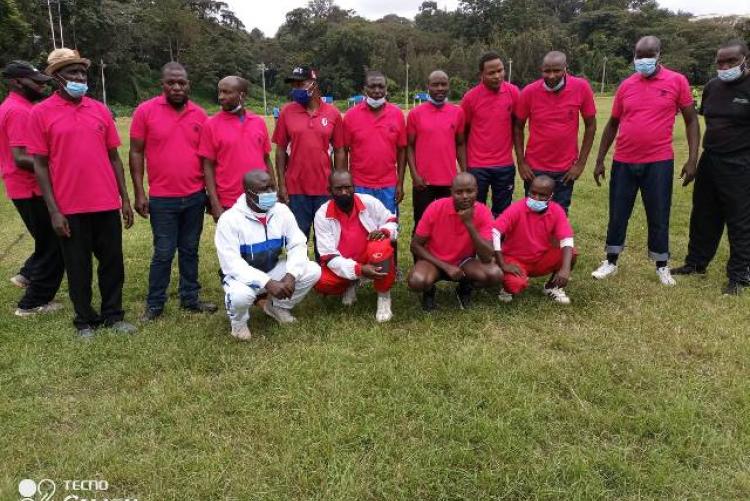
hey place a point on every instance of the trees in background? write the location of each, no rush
(135, 37)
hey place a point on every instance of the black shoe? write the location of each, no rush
(463, 294)
(200, 307)
(733, 288)
(428, 299)
(151, 314)
(689, 269)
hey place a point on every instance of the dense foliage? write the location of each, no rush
(135, 37)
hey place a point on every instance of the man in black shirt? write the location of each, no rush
(722, 186)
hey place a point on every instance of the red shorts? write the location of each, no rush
(376, 252)
(550, 262)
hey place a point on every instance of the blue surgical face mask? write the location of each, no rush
(436, 103)
(557, 87)
(76, 90)
(301, 96)
(375, 103)
(731, 74)
(537, 205)
(645, 66)
(266, 200)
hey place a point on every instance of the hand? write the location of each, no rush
(513, 269)
(467, 215)
(573, 173)
(141, 205)
(560, 279)
(454, 272)
(60, 224)
(418, 183)
(278, 290)
(377, 235)
(282, 194)
(216, 211)
(399, 194)
(127, 214)
(373, 272)
(688, 172)
(599, 172)
(525, 172)
(290, 282)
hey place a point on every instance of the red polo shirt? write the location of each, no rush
(528, 235)
(489, 116)
(646, 108)
(435, 129)
(311, 137)
(447, 237)
(77, 137)
(237, 145)
(553, 122)
(171, 139)
(14, 118)
(353, 241)
(373, 140)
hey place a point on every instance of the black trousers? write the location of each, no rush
(98, 234)
(721, 196)
(422, 198)
(44, 268)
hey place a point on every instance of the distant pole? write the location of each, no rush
(104, 83)
(406, 91)
(604, 74)
(51, 25)
(510, 70)
(59, 20)
(262, 67)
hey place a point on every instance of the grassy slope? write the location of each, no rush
(635, 391)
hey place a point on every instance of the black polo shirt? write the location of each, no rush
(726, 107)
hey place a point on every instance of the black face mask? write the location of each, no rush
(344, 202)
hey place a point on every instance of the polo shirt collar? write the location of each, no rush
(58, 100)
(500, 89)
(189, 106)
(333, 212)
(19, 98)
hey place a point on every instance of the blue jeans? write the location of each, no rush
(501, 179)
(654, 180)
(176, 224)
(387, 196)
(563, 192)
(304, 208)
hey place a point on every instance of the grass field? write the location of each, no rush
(634, 391)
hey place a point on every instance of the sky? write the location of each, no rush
(268, 15)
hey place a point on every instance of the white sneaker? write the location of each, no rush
(241, 331)
(50, 307)
(504, 296)
(281, 315)
(557, 294)
(606, 269)
(384, 313)
(665, 276)
(349, 297)
(20, 281)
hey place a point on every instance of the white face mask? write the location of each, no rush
(732, 74)
(375, 103)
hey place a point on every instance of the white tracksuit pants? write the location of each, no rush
(238, 297)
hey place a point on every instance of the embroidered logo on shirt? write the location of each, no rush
(741, 100)
(324, 121)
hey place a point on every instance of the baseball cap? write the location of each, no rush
(23, 69)
(300, 74)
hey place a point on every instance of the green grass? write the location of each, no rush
(634, 391)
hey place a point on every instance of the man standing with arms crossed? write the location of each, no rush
(552, 106)
(643, 116)
(488, 108)
(164, 137)
(74, 142)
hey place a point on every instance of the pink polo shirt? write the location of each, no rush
(435, 130)
(646, 108)
(237, 146)
(527, 235)
(171, 142)
(373, 140)
(14, 117)
(76, 138)
(448, 239)
(311, 137)
(553, 122)
(489, 116)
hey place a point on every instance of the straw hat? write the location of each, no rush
(60, 58)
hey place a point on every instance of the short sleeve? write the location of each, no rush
(38, 140)
(521, 109)
(347, 129)
(280, 134)
(206, 147)
(588, 106)
(685, 94)
(562, 225)
(266, 137)
(460, 120)
(483, 221)
(17, 128)
(704, 97)
(411, 123)
(466, 105)
(401, 139)
(504, 221)
(138, 125)
(113, 138)
(424, 227)
(617, 104)
(338, 131)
